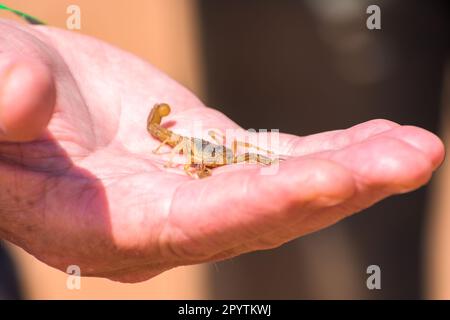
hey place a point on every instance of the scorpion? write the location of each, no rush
(203, 155)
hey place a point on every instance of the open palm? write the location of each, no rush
(90, 192)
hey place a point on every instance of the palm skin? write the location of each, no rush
(89, 191)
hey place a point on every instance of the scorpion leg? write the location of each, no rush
(203, 172)
(159, 147)
(200, 171)
(174, 151)
(187, 166)
(213, 134)
(237, 143)
(249, 156)
(246, 157)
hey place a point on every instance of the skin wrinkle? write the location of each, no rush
(251, 187)
(82, 249)
(296, 147)
(35, 169)
(189, 237)
(245, 188)
(116, 175)
(145, 204)
(46, 191)
(90, 124)
(114, 138)
(245, 192)
(94, 128)
(60, 66)
(42, 166)
(164, 244)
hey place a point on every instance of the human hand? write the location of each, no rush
(85, 188)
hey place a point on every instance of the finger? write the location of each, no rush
(333, 140)
(401, 159)
(422, 140)
(228, 209)
(395, 161)
(27, 99)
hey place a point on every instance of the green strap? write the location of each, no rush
(25, 16)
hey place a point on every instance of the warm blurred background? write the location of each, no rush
(303, 67)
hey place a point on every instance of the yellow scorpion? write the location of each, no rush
(202, 154)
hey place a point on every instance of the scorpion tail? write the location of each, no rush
(159, 111)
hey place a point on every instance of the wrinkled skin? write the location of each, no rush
(88, 190)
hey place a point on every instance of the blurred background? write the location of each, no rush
(302, 67)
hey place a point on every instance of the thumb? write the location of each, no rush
(27, 100)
